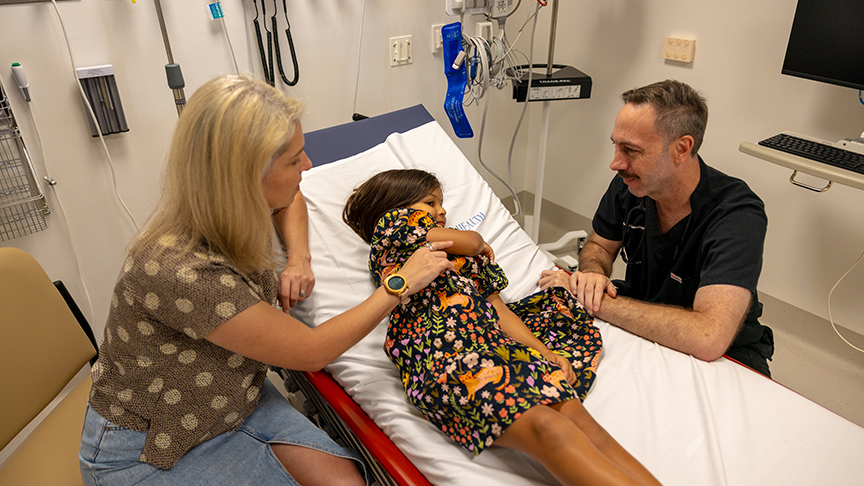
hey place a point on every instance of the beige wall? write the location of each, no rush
(812, 238)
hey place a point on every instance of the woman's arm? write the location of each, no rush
(292, 224)
(263, 333)
(515, 328)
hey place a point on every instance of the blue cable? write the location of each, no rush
(859, 97)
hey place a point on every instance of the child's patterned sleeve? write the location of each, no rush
(490, 278)
(398, 234)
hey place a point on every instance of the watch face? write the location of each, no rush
(396, 283)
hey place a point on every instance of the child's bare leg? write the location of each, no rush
(562, 448)
(605, 443)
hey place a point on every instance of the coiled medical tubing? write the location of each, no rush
(273, 38)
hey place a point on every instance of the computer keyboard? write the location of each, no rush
(820, 152)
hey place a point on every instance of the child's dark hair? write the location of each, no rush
(383, 192)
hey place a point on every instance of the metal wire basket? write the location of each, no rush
(22, 203)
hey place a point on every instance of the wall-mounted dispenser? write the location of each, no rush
(101, 90)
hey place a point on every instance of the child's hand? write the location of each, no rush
(487, 250)
(565, 365)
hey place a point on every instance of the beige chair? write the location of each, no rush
(42, 347)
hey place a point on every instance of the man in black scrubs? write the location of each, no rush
(691, 236)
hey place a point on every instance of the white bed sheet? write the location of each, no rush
(688, 421)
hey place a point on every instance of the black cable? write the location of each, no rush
(271, 74)
(290, 46)
(267, 75)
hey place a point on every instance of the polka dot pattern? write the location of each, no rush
(184, 305)
(189, 421)
(187, 357)
(226, 310)
(151, 301)
(219, 402)
(187, 275)
(145, 328)
(156, 385)
(151, 268)
(235, 361)
(203, 379)
(163, 441)
(172, 397)
(156, 373)
(167, 240)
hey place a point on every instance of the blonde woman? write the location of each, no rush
(180, 394)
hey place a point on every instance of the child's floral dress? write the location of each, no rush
(465, 374)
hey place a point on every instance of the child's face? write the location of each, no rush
(432, 205)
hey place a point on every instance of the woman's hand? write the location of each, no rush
(295, 283)
(425, 264)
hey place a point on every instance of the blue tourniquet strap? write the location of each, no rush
(456, 80)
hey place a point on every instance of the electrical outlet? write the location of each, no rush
(679, 49)
(401, 50)
(437, 39)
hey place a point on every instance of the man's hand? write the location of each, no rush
(589, 287)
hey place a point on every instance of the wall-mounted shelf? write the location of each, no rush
(807, 166)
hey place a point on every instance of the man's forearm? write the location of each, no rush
(704, 335)
(595, 259)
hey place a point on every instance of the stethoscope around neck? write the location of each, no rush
(629, 226)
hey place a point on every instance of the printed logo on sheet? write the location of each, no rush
(471, 222)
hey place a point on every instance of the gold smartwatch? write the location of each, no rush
(395, 284)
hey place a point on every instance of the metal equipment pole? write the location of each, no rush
(544, 134)
(552, 32)
(172, 70)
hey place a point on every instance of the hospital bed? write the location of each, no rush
(689, 422)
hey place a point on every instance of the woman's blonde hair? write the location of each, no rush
(225, 142)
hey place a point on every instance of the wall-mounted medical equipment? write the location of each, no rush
(493, 8)
(564, 83)
(268, 55)
(454, 69)
(21, 78)
(101, 89)
(22, 204)
(172, 69)
(558, 82)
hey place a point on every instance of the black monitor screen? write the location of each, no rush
(827, 42)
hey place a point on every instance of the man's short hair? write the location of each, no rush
(681, 110)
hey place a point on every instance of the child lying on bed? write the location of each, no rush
(481, 370)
